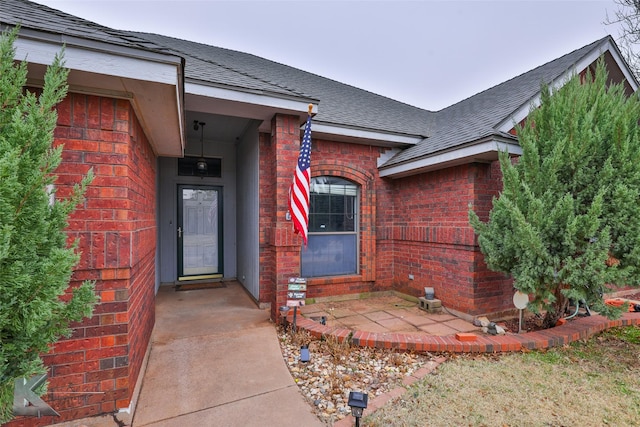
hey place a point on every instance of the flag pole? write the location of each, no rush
(299, 194)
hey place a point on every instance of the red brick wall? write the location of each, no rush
(412, 226)
(142, 193)
(116, 232)
(431, 237)
(433, 242)
(279, 246)
(356, 163)
(494, 291)
(385, 248)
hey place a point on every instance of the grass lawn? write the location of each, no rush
(590, 383)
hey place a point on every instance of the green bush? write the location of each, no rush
(36, 263)
(567, 222)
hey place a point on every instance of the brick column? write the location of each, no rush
(279, 245)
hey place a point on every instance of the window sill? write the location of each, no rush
(328, 280)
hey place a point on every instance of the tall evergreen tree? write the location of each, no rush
(36, 263)
(567, 222)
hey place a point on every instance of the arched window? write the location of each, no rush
(333, 228)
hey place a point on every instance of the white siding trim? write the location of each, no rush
(365, 134)
(480, 151)
(249, 97)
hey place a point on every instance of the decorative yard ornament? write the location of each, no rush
(358, 403)
(520, 300)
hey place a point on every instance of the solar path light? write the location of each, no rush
(304, 354)
(284, 311)
(358, 403)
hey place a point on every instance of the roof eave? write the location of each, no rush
(608, 45)
(250, 103)
(357, 135)
(122, 50)
(115, 71)
(262, 105)
(482, 150)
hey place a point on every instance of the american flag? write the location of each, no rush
(299, 191)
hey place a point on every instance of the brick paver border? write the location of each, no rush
(574, 330)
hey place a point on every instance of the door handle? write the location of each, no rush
(179, 232)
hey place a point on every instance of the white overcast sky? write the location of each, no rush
(430, 54)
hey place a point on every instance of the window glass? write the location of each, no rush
(332, 205)
(329, 255)
(333, 239)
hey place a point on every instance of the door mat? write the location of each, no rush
(195, 286)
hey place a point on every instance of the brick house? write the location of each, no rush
(391, 186)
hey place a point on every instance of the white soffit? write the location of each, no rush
(262, 106)
(524, 110)
(483, 151)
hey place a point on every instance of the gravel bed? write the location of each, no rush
(335, 369)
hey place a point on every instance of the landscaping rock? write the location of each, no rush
(481, 322)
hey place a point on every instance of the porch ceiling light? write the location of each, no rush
(201, 164)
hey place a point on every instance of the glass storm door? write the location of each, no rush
(199, 232)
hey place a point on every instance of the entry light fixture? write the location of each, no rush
(201, 164)
(358, 403)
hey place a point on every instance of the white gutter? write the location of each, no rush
(255, 97)
(368, 135)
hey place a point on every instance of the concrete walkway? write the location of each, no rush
(215, 360)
